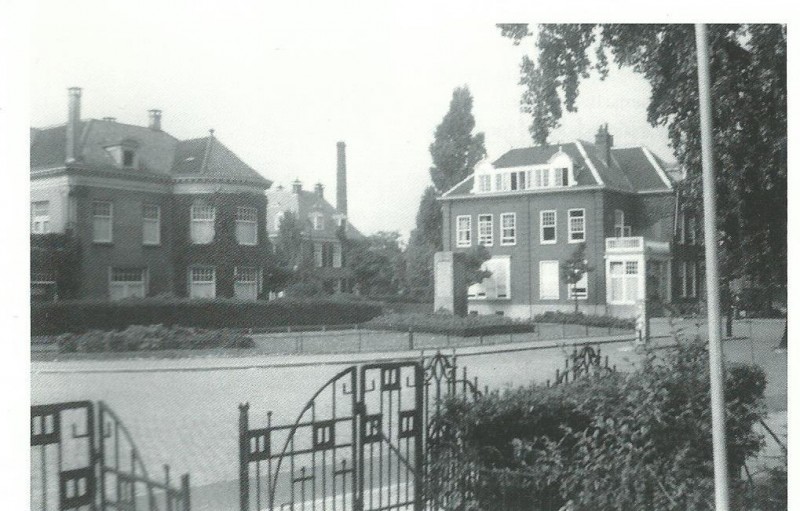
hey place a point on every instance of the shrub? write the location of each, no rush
(151, 337)
(84, 315)
(445, 323)
(635, 441)
(579, 318)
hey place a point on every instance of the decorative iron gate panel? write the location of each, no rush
(360, 443)
(88, 462)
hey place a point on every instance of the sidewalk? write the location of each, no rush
(145, 365)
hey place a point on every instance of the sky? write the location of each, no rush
(280, 88)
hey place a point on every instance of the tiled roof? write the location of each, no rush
(159, 153)
(303, 204)
(630, 169)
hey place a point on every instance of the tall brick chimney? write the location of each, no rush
(319, 189)
(73, 124)
(341, 179)
(297, 186)
(604, 141)
(155, 119)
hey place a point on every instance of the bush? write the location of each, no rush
(445, 323)
(579, 318)
(151, 337)
(78, 316)
(635, 441)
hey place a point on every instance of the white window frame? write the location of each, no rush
(196, 220)
(691, 227)
(689, 287)
(464, 233)
(40, 220)
(508, 234)
(581, 284)
(154, 222)
(246, 218)
(625, 280)
(125, 151)
(337, 255)
(557, 295)
(193, 282)
(487, 289)
(109, 218)
(278, 219)
(486, 237)
(245, 289)
(127, 285)
(572, 231)
(318, 221)
(542, 227)
(681, 226)
(484, 183)
(318, 254)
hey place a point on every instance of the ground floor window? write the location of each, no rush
(202, 282)
(245, 284)
(497, 285)
(127, 283)
(548, 280)
(624, 282)
(580, 289)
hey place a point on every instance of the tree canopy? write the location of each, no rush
(748, 68)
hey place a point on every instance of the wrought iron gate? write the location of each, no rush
(84, 458)
(358, 444)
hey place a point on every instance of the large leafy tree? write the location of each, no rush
(748, 68)
(376, 263)
(455, 151)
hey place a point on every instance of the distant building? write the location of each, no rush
(533, 206)
(148, 213)
(323, 225)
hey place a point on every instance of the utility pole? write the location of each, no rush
(721, 496)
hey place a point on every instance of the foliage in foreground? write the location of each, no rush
(635, 441)
(579, 318)
(152, 337)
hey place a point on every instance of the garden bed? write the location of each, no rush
(469, 326)
(151, 338)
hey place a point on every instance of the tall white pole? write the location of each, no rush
(722, 499)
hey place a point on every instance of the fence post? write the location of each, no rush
(187, 499)
(481, 339)
(563, 330)
(244, 451)
(410, 338)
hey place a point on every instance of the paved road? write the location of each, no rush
(189, 418)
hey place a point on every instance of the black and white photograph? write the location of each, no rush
(397, 257)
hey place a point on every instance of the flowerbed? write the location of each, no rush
(151, 337)
(579, 318)
(468, 326)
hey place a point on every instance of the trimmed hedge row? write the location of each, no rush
(79, 316)
(152, 337)
(579, 318)
(468, 326)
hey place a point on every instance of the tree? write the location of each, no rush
(455, 151)
(292, 264)
(574, 268)
(376, 262)
(748, 67)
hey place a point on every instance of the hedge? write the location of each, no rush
(79, 316)
(579, 318)
(468, 326)
(152, 337)
(626, 441)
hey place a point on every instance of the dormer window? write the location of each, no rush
(124, 153)
(557, 173)
(127, 157)
(318, 221)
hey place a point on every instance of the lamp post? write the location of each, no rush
(721, 496)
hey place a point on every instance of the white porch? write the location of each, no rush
(636, 269)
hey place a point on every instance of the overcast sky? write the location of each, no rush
(280, 88)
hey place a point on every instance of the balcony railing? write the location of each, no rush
(635, 244)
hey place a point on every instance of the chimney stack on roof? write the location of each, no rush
(341, 179)
(319, 189)
(297, 186)
(155, 119)
(604, 142)
(73, 124)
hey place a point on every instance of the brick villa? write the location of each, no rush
(533, 206)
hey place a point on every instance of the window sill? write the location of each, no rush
(577, 241)
(508, 244)
(553, 242)
(463, 245)
(488, 299)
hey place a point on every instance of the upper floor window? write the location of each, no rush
(620, 229)
(246, 226)
(508, 229)
(484, 183)
(151, 224)
(463, 230)
(318, 221)
(327, 254)
(680, 227)
(547, 228)
(691, 229)
(561, 177)
(40, 217)
(128, 157)
(485, 230)
(337, 255)
(278, 219)
(202, 224)
(577, 225)
(102, 221)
